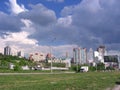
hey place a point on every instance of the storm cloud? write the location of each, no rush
(10, 23)
(90, 23)
(87, 24)
(40, 15)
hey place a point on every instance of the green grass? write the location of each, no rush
(77, 81)
(22, 71)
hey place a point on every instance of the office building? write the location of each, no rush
(7, 50)
(90, 56)
(20, 54)
(83, 56)
(112, 58)
(80, 55)
(101, 51)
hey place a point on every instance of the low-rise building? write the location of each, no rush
(39, 57)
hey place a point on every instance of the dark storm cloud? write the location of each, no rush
(88, 24)
(40, 15)
(10, 23)
(100, 19)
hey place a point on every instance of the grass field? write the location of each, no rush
(77, 81)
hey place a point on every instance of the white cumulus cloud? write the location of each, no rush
(19, 37)
(15, 8)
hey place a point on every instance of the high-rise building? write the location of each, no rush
(75, 55)
(7, 50)
(101, 51)
(90, 56)
(20, 54)
(80, 55)
(83, 55)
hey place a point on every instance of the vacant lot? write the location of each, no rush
(77, 81)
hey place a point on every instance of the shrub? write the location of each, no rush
(92, 68)
(110, 68)
(17, 68)
(100, 66)
(75, 67)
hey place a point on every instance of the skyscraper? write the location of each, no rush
(101, 51)
(7, 50)
(80, 55)
(90, 55)
(83, 55)
(75, 55)
(20, 54)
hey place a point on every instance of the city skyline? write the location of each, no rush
(34, 26)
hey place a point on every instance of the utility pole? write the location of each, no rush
(77, 57)
(51, 58)
(77, 67)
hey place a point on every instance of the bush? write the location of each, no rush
(17, 68)
(92, 68)
(4, 64)
(23, 63)
(58, 64)
(100, 66)
(110, 68)
(74, 68)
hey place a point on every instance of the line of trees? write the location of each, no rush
(18, 62)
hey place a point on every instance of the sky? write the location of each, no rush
(38, 25)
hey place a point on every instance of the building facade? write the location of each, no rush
(7, 50)
(90, 56)
(80, 55)
(101, 50)
(37, 57)
(20, 54)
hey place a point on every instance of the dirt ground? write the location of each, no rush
(117, 87)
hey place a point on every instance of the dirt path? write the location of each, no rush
(117, 87)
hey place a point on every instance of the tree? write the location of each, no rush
(17, 68)
(23, 63)
(100, 66)
(92, 68)
(4, 64)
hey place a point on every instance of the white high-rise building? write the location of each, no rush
(20, 54)
(90, 56)
(101, 51)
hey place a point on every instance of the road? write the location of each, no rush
(35, 73)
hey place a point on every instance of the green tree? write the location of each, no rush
(100, 66)
(75, 67)
(17, 68)
(92, 68)
(23, 63)
(4, 64)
